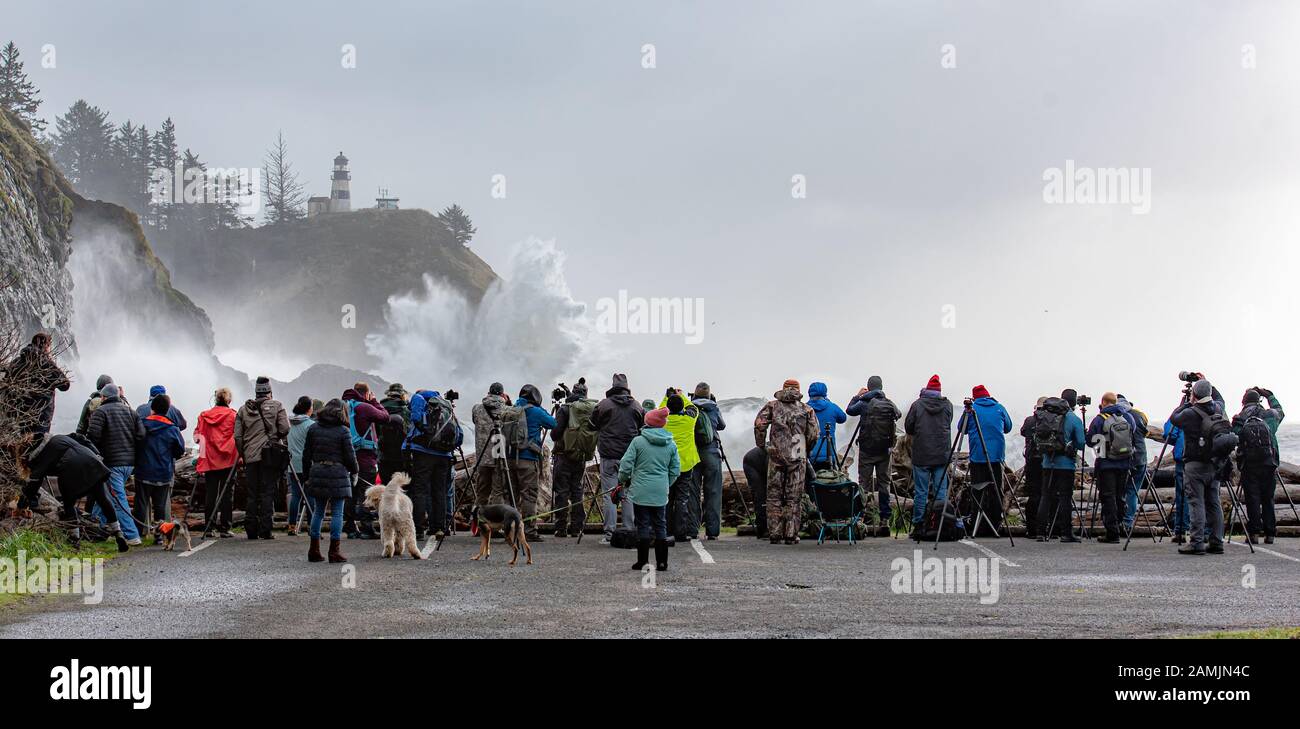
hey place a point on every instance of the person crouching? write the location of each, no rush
(647, 468)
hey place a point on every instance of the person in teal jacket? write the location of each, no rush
(828, 414)
(649, 466)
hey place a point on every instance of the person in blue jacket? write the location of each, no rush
(1111, 468)
(525, 466)
(155, 464)
(173, 414)
(430, 469)
(828, 414)
(1182, 517)
(987, 435)
(1059, 469)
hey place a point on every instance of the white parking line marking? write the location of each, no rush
(202, 546)
(429, 546)
(989, 553)
(705, 557)
(1267, 551)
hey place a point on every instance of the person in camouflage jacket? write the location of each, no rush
(784, 428)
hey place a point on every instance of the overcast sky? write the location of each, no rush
(924, 183)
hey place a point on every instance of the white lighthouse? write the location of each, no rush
(340, 196)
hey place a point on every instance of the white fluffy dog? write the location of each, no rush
(396, 516)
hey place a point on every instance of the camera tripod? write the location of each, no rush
(968, 414)
(1083, 467)
(1149, 488)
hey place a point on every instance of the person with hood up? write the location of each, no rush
(573, 448)
(215, 437)
(75, 462)
(116, 431)
(649, 464)
(929, 422)
(329, 465)
(392, 435)
(988, 455)
(1138, 472)
(877, 433)
(683, 498)
(261, 427)
(708, 473)
(525, 466)
(430, 468)
(364, 416)
(299, 423)
(618, 419)
(1111, 433)
(1033, 472)
(785, 427)
(489, 484)
(35, 376)
(174, 415)
(828, 414)
(1259, 461)
(155, 465)
(1057, 498)
(93, 401)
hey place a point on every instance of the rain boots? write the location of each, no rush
(661, 555)
(313, 552)
(642, 554)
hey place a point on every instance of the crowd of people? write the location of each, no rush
(660, 464)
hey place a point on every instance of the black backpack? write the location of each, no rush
(878, 432)
(1049, 427)
(1256, 443)
(1216, 439)
(437, 431)
(954, 529)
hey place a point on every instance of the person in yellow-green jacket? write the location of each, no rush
(683, 496)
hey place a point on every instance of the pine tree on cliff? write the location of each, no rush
(17, 93)
(285, 195)
(458, 224)
(164, 154)
(131, 152)
(82, 146)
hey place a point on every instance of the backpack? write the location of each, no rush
(879, 433)
(393, 433)
(579, 441)
(1117, 435)
(954, 529)
(1049, 427)
(514, 430)
(1256, 443)
(360, 442)
(704, 432)
(1216, 439)
(437, 429)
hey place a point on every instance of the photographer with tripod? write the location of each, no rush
(1198, 417)
(929, 422)
(431, 448)
(1058, 436)
(877, 433)
(1111, 434)
(526, 463)
(1257, 457)
(987, 434)
(575, 444)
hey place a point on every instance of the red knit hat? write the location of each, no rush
(979, 391)
(790, 384)
(657, 418)
(934, 384)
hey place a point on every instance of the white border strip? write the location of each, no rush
(1265, 550)
(202, 546)
(988, 552)
(705, 557)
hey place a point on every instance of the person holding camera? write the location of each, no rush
(987, 434)
(1199, 417)
(575, 444)
(708, 472)
(929, 422)
(1257, 458)
(877, 433)
(1111, 434)
(1058, 435)
(1033, 475)
(525, 466)
(430, 448)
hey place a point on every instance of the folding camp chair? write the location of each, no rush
(838, 507)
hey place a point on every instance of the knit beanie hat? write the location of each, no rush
(157, 390)
(933, 384)
(1202, 391)
(1250, 398)
(103, 380)
(657, 418)
(979, 391)
(497, 389)
(791, 384)
(109, 390)
(262, 386)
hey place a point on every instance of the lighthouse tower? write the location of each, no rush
(340, 197)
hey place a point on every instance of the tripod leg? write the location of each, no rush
(1241, 518)
(586, 514)
(1160, 507)
(1287, 494)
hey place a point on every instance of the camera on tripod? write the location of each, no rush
(451, 395)
(560, 393)
(1083, 401)
(967, 403)
(1190, 377)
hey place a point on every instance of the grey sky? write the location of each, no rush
(924, 183)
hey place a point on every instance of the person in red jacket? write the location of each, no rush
(215, 436)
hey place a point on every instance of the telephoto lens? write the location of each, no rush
(1187, 376)
(1083, 400)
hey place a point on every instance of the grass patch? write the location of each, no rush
(1254, 634)
(42, 545)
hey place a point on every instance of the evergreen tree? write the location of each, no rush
(82, 146)
(458, 224)
(284, 193)
(17, 93)
(164, 154)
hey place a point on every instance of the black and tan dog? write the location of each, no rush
(168, 532)
(485, 520)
